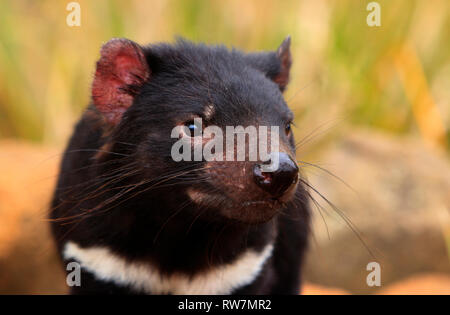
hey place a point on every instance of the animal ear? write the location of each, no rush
(275, 65)
(120, 71)
(285, 58)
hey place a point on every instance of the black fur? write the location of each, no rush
(112, 191)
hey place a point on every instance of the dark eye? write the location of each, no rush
(192, 128)
(287, 128)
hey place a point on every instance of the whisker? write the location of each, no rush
(183, 206)
(161, 179)
(301, 89)
(315, 132)
(329, 173)
(320, 209)
(75, 170)
(99, 151)
(342, 215)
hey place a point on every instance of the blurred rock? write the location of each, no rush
(314, 289)
(400, 205)
(28, 261)
(425, 284)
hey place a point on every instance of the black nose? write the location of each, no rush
(280, 180)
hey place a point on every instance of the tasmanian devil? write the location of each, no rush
(139, 221)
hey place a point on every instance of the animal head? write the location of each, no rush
(207, 127)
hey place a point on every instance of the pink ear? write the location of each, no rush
(122, 67)
(284, 55)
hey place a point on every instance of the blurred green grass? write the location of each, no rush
(395, 77)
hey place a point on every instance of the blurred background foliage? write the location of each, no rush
(395, 77)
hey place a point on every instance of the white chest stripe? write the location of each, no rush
(106, 265)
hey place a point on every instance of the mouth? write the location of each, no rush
(203, 198)
(264, 202)
(250, 211)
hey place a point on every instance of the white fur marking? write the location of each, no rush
(106, 265)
